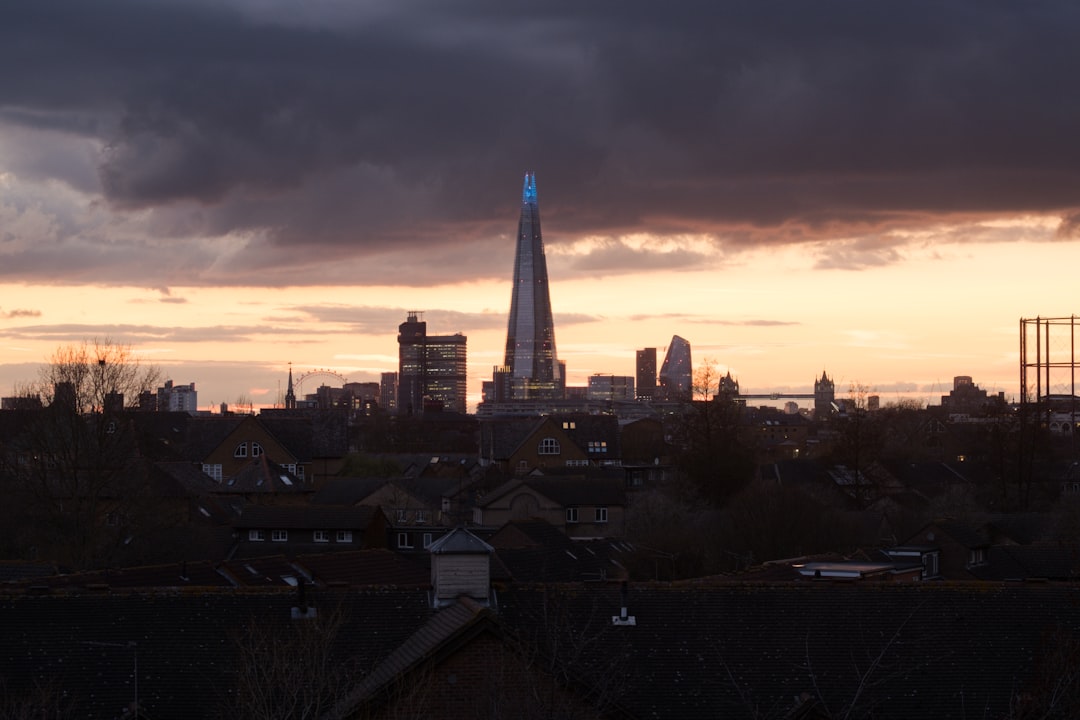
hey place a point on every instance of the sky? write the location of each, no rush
(880, 191)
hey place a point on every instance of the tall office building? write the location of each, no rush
(432, 370)
(388, 390)
(646, 374)
(531, 368)
(676, 374)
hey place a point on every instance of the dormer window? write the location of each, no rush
(256, 449)
(549, 446)
(977, 556)
(241, 450)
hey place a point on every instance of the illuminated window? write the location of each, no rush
(548, 446)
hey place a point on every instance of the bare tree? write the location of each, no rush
(72, 464)
(288, 669)
(96, 375)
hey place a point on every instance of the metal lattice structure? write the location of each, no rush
(1048, 360)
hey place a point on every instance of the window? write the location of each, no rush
(930, 565)
(299, 472)
(427, 540)
(421, 516)
(241, 450)
(598, 446)
(214, 471)
(321, 536)
(601, 515)
(577, 463)
(569, 425)
(571, 515)
(402, 516)
(256, 449)
(548, 446)
(256, 535)
(344, 536)
(978, 556)
(404, 540)
(446, 504)
(279, 535)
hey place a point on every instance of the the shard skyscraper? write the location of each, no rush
(531, 368)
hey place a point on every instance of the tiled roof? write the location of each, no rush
(306, 517)
(347, 490)
(262, 475)
(700, 650)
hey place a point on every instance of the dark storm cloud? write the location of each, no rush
(405, 126)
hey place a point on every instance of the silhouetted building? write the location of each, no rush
(824, 396)
(967, 398)
(728, 388)
(388, 391)
(677, 374)
(290, 393)
(432, 369)
(178, 398)
(530, 366)
(646, 373)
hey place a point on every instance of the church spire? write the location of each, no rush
(290, 395)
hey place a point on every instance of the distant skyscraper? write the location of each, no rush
(431, 368)
(388, 389)
(531, 367)
(676, 374)
(646, 373)
(178, 398)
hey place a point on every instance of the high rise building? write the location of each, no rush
(531, 368)
(432, 370)
(646, 373)
(676, 374)
(388, 389)
(179, 398)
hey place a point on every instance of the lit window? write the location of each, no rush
(241, 450)
(322, 536)
(404, 540)
(601, 515)
(598, 446)
(256, 449)
(279, 535)
(256, 535)
(571, 515)
(569, 425)
(548, 446)
(344, 536)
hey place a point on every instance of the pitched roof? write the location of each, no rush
(306, 517)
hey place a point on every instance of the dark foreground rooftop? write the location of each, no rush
(700, 650)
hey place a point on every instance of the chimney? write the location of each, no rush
(624, 617)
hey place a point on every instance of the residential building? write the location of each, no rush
(177, 398)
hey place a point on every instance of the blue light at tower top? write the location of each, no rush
(528, 193)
